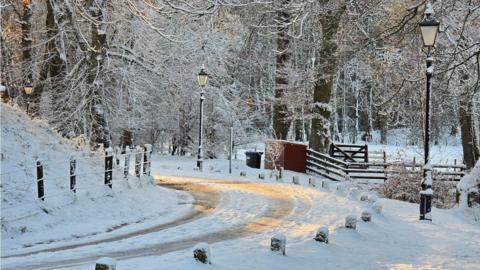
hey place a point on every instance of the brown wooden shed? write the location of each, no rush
(289, 155)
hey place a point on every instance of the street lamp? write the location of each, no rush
(202, 79)
(28, 91)
(429, 29)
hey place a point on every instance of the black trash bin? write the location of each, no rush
(254, 159)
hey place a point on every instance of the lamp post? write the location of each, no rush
(429, 29)
(28, 91)
(202, 79)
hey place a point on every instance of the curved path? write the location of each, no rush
(205, 201)
(207, 194)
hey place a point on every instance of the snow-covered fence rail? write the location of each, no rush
(325, 165)
(338, 170)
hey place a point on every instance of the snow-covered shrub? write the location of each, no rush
(278, 243)
(469, 188)
(322, 235)
(351, 222)
(366, 216)
(311, 182)
(404, 185)
(243, 174)
(261, 176)
(201, 253)
(364, 197)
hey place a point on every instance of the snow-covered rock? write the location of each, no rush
(366, 216)
(201, 253)
(295, 180)
(364, 197)
(372, 198)
(322, 235)
(351, 222)
(278, 244)
(105, 263)
(377, 207)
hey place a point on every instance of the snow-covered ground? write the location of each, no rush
(236, 214)
(62, 217)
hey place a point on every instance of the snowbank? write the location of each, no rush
(470, 183)
(92, 211)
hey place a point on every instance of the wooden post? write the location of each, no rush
(126, 166)
(331, 151)
(138, 161)
(146, 158)
(414, 164)
(40, 187)
(73, 177)
(230, 150)
(108, 167)
(117, 153)
(366, 153)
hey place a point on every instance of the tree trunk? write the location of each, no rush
(100, 134)
(471, 150)
(383, 126)
(320, 129)
(56, 66)
(27, 52)
(280, 123)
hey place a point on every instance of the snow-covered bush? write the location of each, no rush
(404, 185)
(469, 188)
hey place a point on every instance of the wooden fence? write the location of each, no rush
(339, 170)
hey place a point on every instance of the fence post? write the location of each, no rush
(127, 162)
(73, 177)
(117, 153)
(108, 166)
(414, 164)
(138, 160)
(146, 158)
(40, 187)
(230, 150)
(366, 153)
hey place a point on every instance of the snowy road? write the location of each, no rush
(222, 210)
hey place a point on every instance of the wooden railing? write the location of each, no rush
(338, 170)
